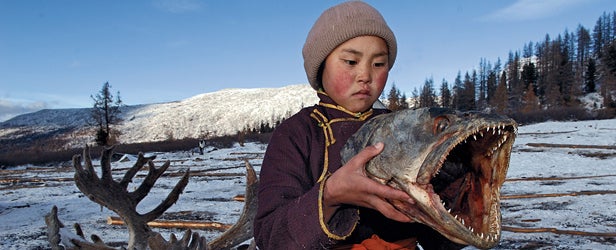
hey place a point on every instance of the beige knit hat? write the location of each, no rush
(339, 24)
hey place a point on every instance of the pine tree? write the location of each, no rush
(484, 71)
(458, 89)
(514, 84)
(427, 97)
(404, 104)
(608, 85)
(445, 95)
(393, 99)
(529, 76)
(530, 100)
(467, 95)
(590, 77)
(414, 99)
(583, 56)
(500, 98)
(493, 80)
(565, 74)
(106, 112)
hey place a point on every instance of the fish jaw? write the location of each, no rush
(453, 164)
(467, 171)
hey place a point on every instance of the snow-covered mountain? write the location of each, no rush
(218, 113)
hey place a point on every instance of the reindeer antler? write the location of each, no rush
(242, 229)
(190, 241)
(115, 196)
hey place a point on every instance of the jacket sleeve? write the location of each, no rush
(288, 209)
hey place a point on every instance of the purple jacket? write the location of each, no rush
(288, 212)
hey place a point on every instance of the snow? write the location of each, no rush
(533, 170)
(25, 202)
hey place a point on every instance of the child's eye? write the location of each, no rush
(350, 62)
(378, 65)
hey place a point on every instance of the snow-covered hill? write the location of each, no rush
(217, 113)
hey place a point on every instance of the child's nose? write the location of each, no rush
(363, 74)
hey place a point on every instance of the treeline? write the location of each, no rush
(544, 80)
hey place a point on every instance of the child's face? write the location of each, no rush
(356, 71)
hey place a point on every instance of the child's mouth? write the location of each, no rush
(363, 94)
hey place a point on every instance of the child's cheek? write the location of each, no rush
(381, 79)
(342, 83)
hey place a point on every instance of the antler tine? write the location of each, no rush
(242, 229)
(141, 160)
(97, 240)
(61, 242)
(170, 200)
(195, 241)
(88, 161)
(149, 181)
(78, 230)
(89, 245)
(251, 175)
(190, 241)
(77, 163)
(173, 239)
(106, 165)
(53, 228)
(186, 238)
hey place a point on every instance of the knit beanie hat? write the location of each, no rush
(337, 25)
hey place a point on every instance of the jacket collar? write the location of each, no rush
(327, 102)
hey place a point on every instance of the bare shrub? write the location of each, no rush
(560, 114)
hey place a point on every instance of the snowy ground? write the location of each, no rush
(570, 192)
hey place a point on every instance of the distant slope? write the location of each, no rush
(217, 113)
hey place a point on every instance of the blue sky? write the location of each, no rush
(55, 54)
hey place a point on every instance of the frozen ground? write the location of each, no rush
(561, 186)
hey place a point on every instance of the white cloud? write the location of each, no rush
(11, 108)
(524, 10)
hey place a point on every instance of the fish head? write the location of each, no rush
(452, 163)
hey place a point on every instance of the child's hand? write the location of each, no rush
(351, 185)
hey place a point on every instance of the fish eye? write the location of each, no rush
(440, 124)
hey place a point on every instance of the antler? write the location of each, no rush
(114, 195)
(242, 229)
(190, 241)
(61, 239)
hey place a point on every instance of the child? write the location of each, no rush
(307, 198)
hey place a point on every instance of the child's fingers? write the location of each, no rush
(367, 153)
